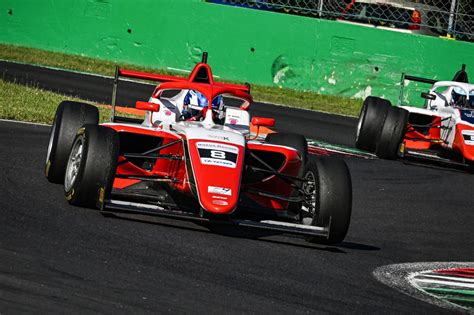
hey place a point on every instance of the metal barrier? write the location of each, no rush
(451, 18)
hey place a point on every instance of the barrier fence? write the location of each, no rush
(245, 45)
(452, 18)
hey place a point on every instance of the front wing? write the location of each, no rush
(281, 227)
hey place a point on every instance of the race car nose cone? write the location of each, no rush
(216, 168)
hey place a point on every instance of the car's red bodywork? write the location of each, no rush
(186, 174)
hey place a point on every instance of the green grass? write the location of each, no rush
(282, 96)
(28, 103)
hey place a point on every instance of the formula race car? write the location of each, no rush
(194, 157)
(442, 131)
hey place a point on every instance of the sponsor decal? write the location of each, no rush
(46, 171)
(168, 113)
(218, 154)
(220, 202)
(219, 197)
(219, 190)
(468, 136)
(101, 195)
(467, 115)
(224, 138)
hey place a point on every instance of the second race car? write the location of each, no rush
(443, 130)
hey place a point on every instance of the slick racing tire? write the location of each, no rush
(291, 140)
(392, 132)
(328, 191)
(70, 116)
(91, 166)
(370, 122)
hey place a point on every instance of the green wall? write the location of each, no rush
(243, 44)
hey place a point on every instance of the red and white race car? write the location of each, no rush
(194, 157)
(443, 130)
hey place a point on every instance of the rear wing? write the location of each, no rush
(460, 76)
(201, 74)
(406, 77)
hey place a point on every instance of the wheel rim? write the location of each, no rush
(309, 204)
(73, 164)
(50, 144)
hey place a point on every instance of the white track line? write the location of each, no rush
(24, 122)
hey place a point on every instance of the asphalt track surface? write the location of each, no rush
(55, 258)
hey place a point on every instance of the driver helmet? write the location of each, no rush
(194, 102)
(459, 98)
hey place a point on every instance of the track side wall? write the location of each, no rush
(256, 46)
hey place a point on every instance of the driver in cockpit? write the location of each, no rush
(195, 107)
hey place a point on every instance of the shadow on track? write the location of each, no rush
(438, 166)
(242, 232)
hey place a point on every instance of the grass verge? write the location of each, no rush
(308, 100)
(29, 103)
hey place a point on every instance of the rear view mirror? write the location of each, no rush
(261, 121)
(147, 106)
(428, 96)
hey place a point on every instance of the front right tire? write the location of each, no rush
(328, 188)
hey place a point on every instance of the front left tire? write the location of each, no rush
(392, 132)
(91, 166)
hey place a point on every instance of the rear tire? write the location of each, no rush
(329, 188)
(371, 119)
(70, 116)
(392, 133)
(91, 166)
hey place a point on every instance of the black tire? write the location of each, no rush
(70, 116)
(392, 133)
(91, 166)
(330, 190)
(371, 118)
(292, 140)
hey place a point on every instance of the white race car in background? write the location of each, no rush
(443, 130)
